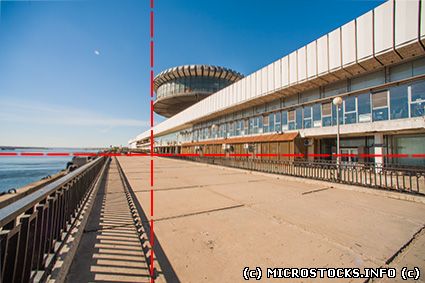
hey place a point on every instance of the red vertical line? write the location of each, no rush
(151, 112)
(152, 53)
(152, 85)
(152, 173)
(151, 202)
(151, 24)
(152, 140)
(151, 4)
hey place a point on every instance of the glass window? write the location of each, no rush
(299, 118)
(418, 91)
(350, 110)
(369, 80)
(271, 122)
(335, 88)
(277, 121)
(380, 106)
(251, 125)
(326, 114)
(284, 120)
(419, 67)
(340, 114)
(399, 102)
(291, 120)
(317, 115)
(265, 124)
(307, 117)
(417, 104)
(401, 71)
(245, 127)
(363, 108)
(310, 95)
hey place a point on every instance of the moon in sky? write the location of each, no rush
(97, 52)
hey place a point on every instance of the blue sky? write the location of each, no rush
(76, 73)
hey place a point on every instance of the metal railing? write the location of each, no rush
(403, 179)
(34, 228)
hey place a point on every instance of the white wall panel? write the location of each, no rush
(264, 81)
(406, 20)
(285, 71)
(253, 85)
(311, 60)
(270, 77)
(222, 99)
(302, 64)
(226, 96)
(335, 49)
(231, 94)
(238, 91)
(365, 35)
(277, 74)
(322, 55)
(383, 27)
(348, 43)
(248, 87)
(243, 89)
(293, 68)
(258, 83)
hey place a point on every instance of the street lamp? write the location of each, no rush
(337, 101)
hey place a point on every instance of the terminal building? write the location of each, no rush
(374, 63)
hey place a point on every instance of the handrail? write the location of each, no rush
(34, 228)
(402, 179)
(7, 213)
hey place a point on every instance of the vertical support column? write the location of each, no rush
(310, 144)
(378, 150)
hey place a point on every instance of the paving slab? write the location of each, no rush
(212, 221)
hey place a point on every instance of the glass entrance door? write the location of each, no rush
(349, 155)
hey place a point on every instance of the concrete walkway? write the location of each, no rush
(110, 250)
(211, 222)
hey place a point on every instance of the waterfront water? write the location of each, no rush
(18, 171)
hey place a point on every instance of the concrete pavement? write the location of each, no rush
(211, 222)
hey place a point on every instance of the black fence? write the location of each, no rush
(34, 228)
(403, 179)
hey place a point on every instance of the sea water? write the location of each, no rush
(18, 171)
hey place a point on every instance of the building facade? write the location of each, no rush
(375, 63)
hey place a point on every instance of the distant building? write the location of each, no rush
(376, 63)
(180, 87)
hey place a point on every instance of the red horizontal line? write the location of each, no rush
(84, 154)
(58, 154)
(8, 154)
(163, 154)
(418, 155)
(32, 154)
